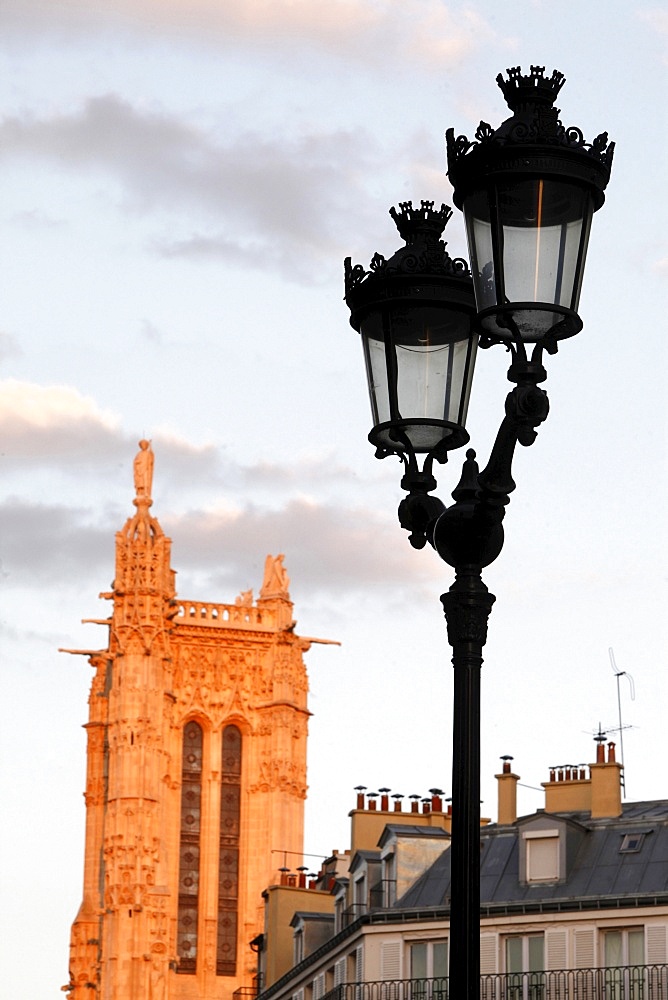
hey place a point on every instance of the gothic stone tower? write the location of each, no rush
(196, 774)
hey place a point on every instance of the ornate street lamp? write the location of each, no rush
(415, 314)
(528, 192)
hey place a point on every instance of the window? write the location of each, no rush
(298, 945)
(524, 953)
(359, 895)
(542, 855)
(189, 848)
(525, 962)
(389, 881)
(624, 947)
(228, 866)
(624, 956)
(429, 959)
(631, 843)
(429, 970)
(339, 912)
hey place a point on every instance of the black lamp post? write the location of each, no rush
(528, 192)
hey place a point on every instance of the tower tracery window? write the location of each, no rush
(228, 858)
(189, 848)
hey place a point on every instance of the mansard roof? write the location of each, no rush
(599, 874)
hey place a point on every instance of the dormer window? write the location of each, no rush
(542, 855)
(360, 895)
(389, 880)
(298, 945)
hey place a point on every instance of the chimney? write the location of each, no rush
(384, 800)
(507, 790)
(606, 784)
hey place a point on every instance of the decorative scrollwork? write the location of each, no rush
(424, 253)
(573, 136)
(535, 120)
(460, 266)
(483, 133)
(522, 132)
(459, 146)
(352, 275)
(602, 148)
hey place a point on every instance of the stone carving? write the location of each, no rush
(284, 775)
(224, 664)
(143, 470)
(157, 982)
(276, 582)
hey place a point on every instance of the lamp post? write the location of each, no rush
(528, 191)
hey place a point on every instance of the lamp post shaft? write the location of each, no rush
(467, 606)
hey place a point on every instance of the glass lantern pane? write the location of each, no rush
(528, 241)
(424, 375)
(542, 224)
(376, 370)
(431, 346)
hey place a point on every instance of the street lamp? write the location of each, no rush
(528, 192)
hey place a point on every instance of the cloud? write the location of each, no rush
(330, 551)
(52, 424)
(288, 198)
(59, 428)
(332, 547)
(43, 544)
(373, 33)
(46, 428)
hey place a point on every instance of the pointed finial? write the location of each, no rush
(468, 485)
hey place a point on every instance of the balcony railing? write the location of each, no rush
(633, 982)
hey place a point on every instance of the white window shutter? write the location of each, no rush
(340, 972)
(390, 960)
(584, 949)
(555, 950)
(487, 954)
(656, 945)
(299, 995)
(319, 986)
(359, 965)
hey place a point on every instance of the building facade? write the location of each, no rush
(196, 776)
(574, 901)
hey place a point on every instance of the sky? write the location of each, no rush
(179, 185)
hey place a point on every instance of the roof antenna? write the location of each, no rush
(621, 673)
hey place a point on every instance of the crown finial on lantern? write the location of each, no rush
(536, 88)
(423, 221)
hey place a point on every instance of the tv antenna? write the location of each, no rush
(621, 673)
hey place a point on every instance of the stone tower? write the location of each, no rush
(196, 776)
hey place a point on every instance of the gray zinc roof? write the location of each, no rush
(597, 874)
